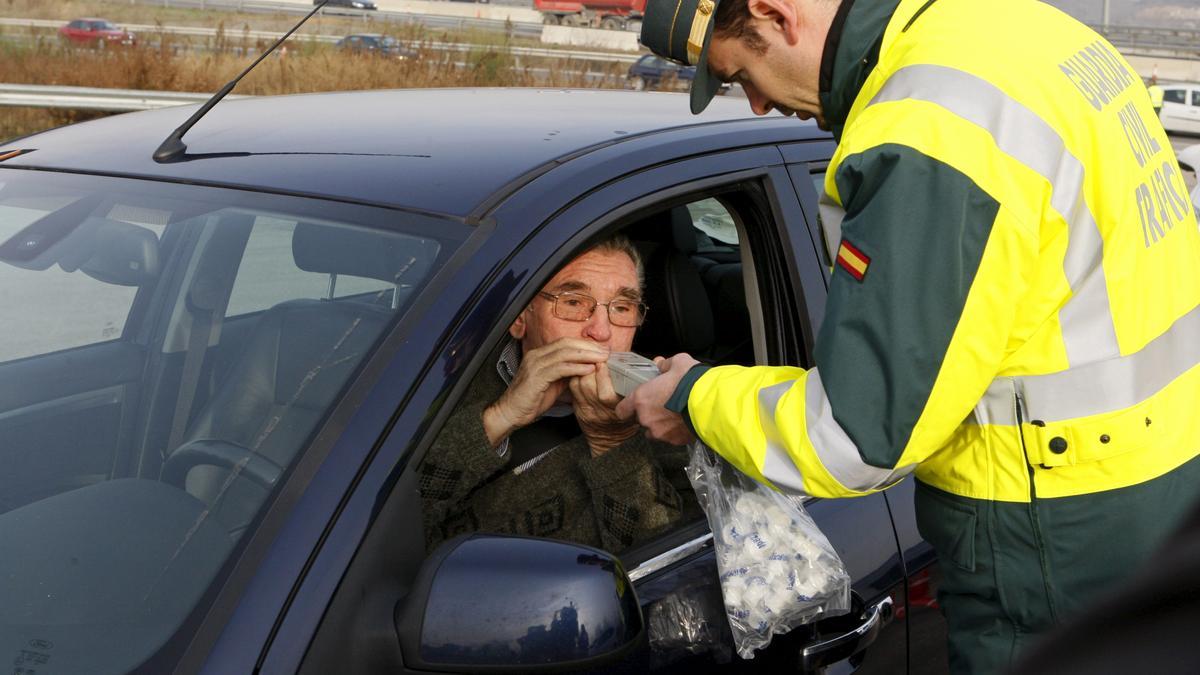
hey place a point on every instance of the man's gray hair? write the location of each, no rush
(619, 243)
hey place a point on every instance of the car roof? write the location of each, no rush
(437, 150)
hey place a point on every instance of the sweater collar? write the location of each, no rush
(851, 52)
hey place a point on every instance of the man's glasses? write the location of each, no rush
(579, 307)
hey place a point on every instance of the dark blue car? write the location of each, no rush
(651, 72)
(220, 376)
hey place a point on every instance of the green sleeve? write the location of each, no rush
(923, 225)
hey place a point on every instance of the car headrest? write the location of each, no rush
(672, 227)
(374, 254)
(680, 317)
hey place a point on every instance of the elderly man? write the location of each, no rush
(536, 448)
(1014, 309)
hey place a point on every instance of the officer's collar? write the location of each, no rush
(851, 52)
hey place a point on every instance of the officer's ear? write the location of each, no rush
(780, 16)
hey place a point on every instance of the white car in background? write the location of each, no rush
(1189, 161)
(1181, 108)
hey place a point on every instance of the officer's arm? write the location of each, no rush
(917, 323)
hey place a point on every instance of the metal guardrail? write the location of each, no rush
(88, 98)
(1179, 42)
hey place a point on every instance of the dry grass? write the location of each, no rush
(307, 67)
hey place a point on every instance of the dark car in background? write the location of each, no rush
(375, 44)
(220, 376)
(353, 4)
(98, 33)
(652, 71)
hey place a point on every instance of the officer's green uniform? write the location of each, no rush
(1014, 311)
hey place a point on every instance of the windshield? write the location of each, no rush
(167, 352)
(103, 25)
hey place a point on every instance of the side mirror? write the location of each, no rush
(490, 603)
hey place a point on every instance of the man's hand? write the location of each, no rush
(647, 402)
(539, 382)
(596, 411)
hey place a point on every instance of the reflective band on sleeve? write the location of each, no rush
(832, 215)
(1086, 319)
(778, 466)
(1096, 388)
(837, 453)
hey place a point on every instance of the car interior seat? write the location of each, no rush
(296, 359)
(680, 318)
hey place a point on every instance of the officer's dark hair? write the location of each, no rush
(733, 21)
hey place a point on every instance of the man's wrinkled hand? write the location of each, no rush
(595, 403)
(648, 402)
(539, 382)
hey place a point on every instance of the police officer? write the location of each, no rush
(1156, 95)
(1013, 310)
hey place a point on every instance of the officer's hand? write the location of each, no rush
(647, 401)
(596, 411)
(539, 382)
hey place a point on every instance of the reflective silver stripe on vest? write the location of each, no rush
(1095, 388)
(1086, 319)
(835, 450)
(778, 466)
(832, 215)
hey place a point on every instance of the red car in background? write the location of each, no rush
(99, 33)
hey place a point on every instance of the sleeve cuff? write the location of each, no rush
(678, 401)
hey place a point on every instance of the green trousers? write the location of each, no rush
(1010, 570)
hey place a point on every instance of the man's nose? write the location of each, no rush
(598, 327)
(760, 104)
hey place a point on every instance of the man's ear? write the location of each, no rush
(781, 15)
(518, 327)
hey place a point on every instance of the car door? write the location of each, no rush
(79, 382)
(1174, 113)
(919, 611)
(1193, 110)
(859, 529)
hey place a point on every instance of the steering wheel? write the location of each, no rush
(223, 454)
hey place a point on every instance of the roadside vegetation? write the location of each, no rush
(167, 62)
(305, 67)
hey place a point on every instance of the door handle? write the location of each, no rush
(840, 647)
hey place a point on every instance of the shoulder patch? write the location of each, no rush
(853, 260)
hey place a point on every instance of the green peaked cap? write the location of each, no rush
(681, 30)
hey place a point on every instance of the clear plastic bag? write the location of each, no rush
(777, 569)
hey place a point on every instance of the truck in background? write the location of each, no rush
(607, 14)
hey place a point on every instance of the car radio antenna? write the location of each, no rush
(174, 147)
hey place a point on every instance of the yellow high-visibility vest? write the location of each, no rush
(1015, 309)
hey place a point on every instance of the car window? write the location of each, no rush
(61, 307)
(714, 223)
(1175, 96)
(538, 481)
(269, 275)
(1196, 97)
(138, 468)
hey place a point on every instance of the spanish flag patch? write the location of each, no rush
(853, 260)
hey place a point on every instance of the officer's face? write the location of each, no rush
(782, 71)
